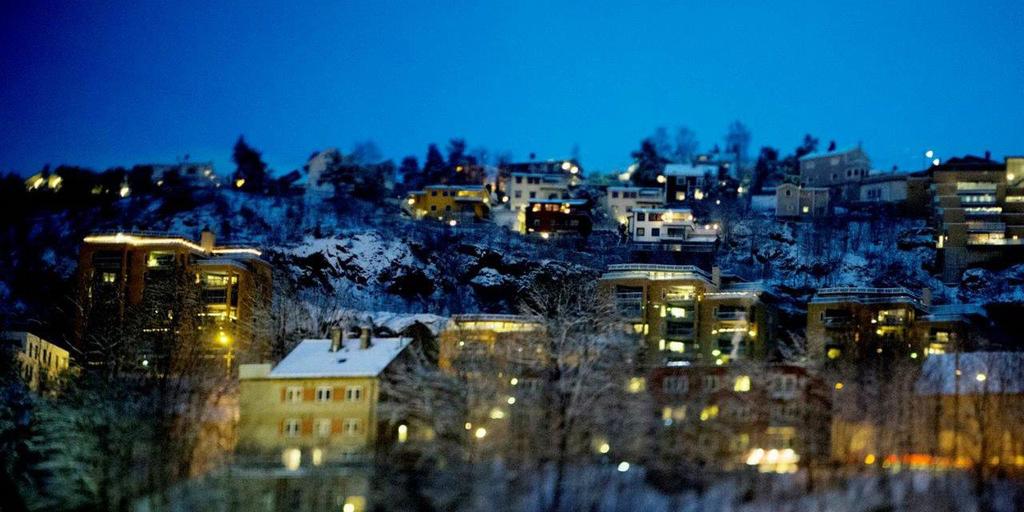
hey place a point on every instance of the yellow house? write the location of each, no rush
(40, 361)
(318, 406)
(469, 337)
(451, 203)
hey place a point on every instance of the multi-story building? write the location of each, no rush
(668, 225)
(801, 201)
(119, 270)
(854, 323)
(689, 182)
(772, 417)
(470, 339)
(960, 411)
(622, 200)
(552, 179)
(840, 171)
(318, 406)
(40, 362)
(557, 216)
(450, 203)
(979, 209)
(685, 314)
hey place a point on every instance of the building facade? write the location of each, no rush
(447, 203)
(884, 188)
(622, 200)
(115, 270)
(792, 201)
(547, 217)
(839, 171)
(686, 315)
(851, 323)
(318, 406)
(40, 362)
(524, 187)
(979, 214)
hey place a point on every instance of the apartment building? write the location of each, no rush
(449, 203)
(840, 171)
(962, 413)
(40, 362)
(622, 200)
(686, 315)
(979, 214)
(765, 416)
(793, 201)
(547, 217)
(318, 406)
(472, 340)
(120, 270)
(551, 179)
(857, 322)
(666, 225)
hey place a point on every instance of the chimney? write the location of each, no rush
(988, 155)
(926, 297)
(364, 338)
(207, 240)
(716, 276)
(337, 336)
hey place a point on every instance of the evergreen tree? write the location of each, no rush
(649, 164)
(434, 168)
(250, 172)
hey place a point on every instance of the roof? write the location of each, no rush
(838, 152)
(883, 177)
(689, 169)
(473, 188)
(980, 373)
(970, 163)
(313, 358)
(574, 202)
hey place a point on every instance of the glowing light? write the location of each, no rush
(511, 400)
(496, 414)
(480, 433)
(929, 154)
(660, 178)
(318, 456)
(469, 426)
(623, 467)
(936, 162)
(411, 201)
(504, 199)
(125, 191)
(870, 459)
(742, 384)
(239, 182)
(566, 165)
(833, 353)
(981, 377)
(453, 223)
(913, 355)
(839, 385)
(514, 381)
(403, 433)
(145, 362)
(223, 339)
(545, 236)
(604, 448)
(291, 458)
(348, 508)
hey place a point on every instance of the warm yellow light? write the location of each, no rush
(453, 223)
(742, 384)
(318, 456)
(239, 182)
(839, 385)
(481, 433)
(411, 201)
(511, 400)
(469, 426)
(833, 353)
(980, 377)
(870, 459)
(514, 381)
(604, 448)
(348, 508)
(125, 191)
(545, 236)
(716, 352)
(496, 414)
(223, 338)
(403, 433)
(660, 178)
(623, 467)
(913, 355)
(636, 384)
(566, 165)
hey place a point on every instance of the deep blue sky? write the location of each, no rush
(104, 85)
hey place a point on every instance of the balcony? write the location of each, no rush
(986, 227)
(629, 305)
(735, 315)
(837, 322)
(892, 320)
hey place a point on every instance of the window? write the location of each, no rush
(351, 426)
(109, 277)
(323, 393)
(322, 427)
(291, 427)
(655, 231)
(433, 193)
(293, 394)
(519, 179)
(433, 207)
(354, 393)
(519, 194)
(675, 385)
(640, 231)
(641, 216)
(533, 195)
(615, 194)
(742, 384)
(710, 382)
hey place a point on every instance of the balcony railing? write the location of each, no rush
(731, 315)
(834, 322)
(892, 320)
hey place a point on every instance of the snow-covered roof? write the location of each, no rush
(838, 152)
(574, 202)
(689, 169)
(313, 358)
(980, 373)
(955, 312)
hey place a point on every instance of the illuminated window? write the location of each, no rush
(109, 277)
(636, 384)
(709, 412)
(291, 458)
(323, 393)
(677, 312)
(354, 393)
(403, 433)
(742, 384)
(318, 456)
(676, 346)
(833, 353)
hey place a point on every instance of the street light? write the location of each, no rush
(480, 433)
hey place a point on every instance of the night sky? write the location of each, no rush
(140, 82)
